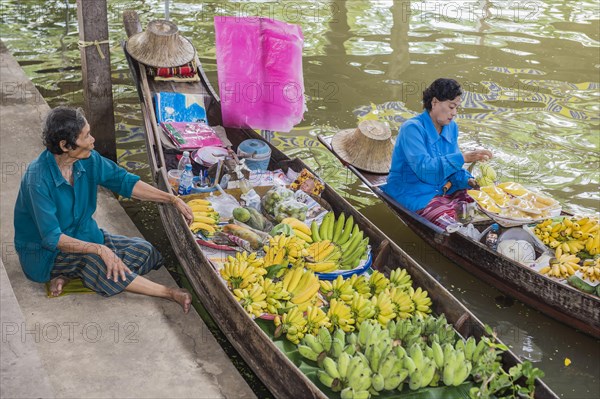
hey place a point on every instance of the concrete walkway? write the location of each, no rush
(84, 345)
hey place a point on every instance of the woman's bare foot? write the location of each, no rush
(57, 284)
(182, 297)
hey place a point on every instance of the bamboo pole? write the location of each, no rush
(96, 74)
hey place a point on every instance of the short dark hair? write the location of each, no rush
(443, 89)
(62, 123)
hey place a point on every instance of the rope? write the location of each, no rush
(83, 44)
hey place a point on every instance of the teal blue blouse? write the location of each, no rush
(48, 206)
(423, 161)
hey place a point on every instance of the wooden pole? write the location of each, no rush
(96, 73)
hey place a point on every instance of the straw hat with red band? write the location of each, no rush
(161, 45)
(368, 147)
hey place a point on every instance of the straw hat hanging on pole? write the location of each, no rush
(161, 45)
(368, 147)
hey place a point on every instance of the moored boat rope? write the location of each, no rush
(97, 43)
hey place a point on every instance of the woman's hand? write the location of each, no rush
(477, 155)
(185, 210)
(114, 265)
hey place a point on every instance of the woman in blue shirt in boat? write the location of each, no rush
(57, 238)
(427, 175)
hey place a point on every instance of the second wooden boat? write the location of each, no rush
(557, 300)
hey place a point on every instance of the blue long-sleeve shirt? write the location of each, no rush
(423, 161)
(48, 206)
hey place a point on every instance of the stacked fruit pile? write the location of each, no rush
(572, 239)
(420, 352)
(571, 235)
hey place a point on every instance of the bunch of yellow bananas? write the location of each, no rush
(243, 270)
(205, 217)
(361, 308)
(421, 300)
(564, 266)
(591, 269)
(301, 230)
(321, 250)
(337, 289)
(571, 235)
(400, 278)
(315, 319)
(276, 296)
(384, 309)
(404, 307)
(283, 249)
(302, 285)
(252, 300)
(340, 316)
(361, 285)
(291, 323)
(378, 282)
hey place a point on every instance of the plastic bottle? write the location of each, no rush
(185, 160)
(491, 239)
(187, 180)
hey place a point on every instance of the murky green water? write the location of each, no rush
(531, 70)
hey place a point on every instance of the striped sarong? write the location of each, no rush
(136, 253)
(441, 210)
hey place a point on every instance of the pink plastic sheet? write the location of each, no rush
(259, 63)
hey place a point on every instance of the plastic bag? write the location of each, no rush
(290, 208)
(259, 67)
(273, 197)
(224, 203)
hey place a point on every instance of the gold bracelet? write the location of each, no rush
(174, 199)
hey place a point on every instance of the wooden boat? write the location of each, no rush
(279, 374)
(559, 301)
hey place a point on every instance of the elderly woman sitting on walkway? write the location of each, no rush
(57, 238)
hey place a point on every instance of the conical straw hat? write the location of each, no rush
(161, 45)
(368, 147)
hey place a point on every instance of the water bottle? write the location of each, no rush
(185, 160)
(187, 180)
(491, 239)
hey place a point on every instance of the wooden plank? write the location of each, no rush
(96, 74)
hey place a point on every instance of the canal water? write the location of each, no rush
(530, 69)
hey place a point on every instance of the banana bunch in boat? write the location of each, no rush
(345, 235)
(276, 297)
(303, 287)
(242, 270)
(591, 269)
(299, 228)
(571, 235)
(284, 250)
(205, 217)
(563, 267)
